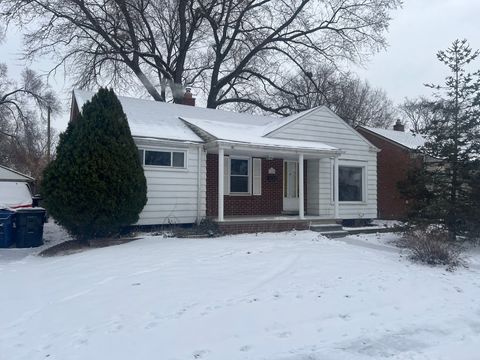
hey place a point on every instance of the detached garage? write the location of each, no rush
(14, 189)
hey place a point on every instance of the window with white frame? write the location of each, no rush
(350, 183)
(239, 175)
(163, 158)
(243, 175)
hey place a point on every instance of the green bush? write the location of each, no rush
(96, 184)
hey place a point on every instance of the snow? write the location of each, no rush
(253, 135)
(408, 139)
(278, 123)
(14, 194)
(153, 119)
(285, 296)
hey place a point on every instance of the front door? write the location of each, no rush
(290, 186)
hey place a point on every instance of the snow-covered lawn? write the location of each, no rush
(287, 296)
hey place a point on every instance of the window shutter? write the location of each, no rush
(226, 175)
(257, 177)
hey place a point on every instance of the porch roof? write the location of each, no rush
(249, 136)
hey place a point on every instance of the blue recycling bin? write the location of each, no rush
(7, 235)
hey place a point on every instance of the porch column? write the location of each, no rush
(301, 210)
(335, 187)
(220, 183)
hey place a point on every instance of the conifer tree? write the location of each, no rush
(96, 184)
(453, 139)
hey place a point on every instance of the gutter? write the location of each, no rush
(275, 149)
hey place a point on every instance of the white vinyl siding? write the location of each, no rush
(172, 192)
(323, 126)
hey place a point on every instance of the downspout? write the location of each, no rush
(199, 184)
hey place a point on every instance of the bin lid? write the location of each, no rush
(30, 210)
(5, 211)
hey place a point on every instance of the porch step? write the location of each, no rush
(335, 234)
(329, 230)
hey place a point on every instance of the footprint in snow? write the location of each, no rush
(200, 353)
(245, 348)
(151, 325)
(284, 334)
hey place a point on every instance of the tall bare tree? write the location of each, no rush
(353, 99)
(231, 51)
(23, 132)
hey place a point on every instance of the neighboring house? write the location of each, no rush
(14, 188)
(275, 173)
(398, 154)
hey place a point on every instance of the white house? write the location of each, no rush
(292, 171)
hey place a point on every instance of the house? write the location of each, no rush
(248, 172)
(398, 154)
(14, 188)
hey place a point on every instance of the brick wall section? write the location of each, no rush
(393, 163)
(269, 203)
(227, 228)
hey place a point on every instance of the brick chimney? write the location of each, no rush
(399, 126)
(188, 99)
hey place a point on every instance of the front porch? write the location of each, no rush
(258, 185)
(254, 224)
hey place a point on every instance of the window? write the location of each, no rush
(174, 159)
(350, 184)
(239, 175)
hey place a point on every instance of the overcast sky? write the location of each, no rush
(417, 32)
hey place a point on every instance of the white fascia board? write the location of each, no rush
(257, 148)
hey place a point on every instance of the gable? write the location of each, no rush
(323, 125)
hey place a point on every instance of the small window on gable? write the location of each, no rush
(350, 183)
(174, 159)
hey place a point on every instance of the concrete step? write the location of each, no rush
(335, 234)
(326, 227)
(331, 230)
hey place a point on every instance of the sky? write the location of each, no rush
(417, 32)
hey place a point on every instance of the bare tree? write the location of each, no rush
(23, 133)
(353, 99)
(419, 113)
(231, 51)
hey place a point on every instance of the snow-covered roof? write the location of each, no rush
(7, 174)
(147, 119)
(153, 119)
(252, 135)
(409, 140)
